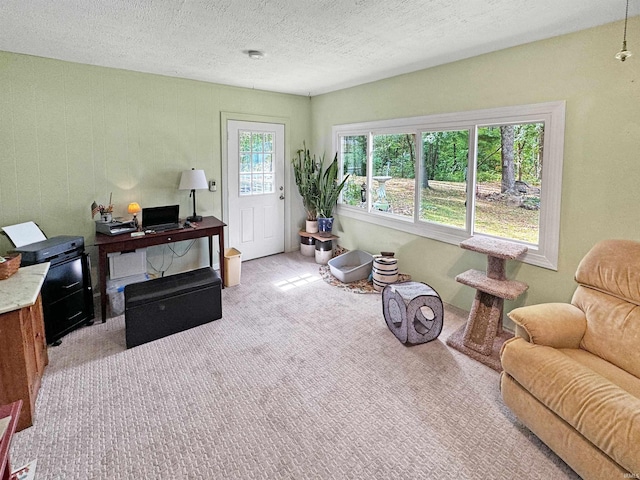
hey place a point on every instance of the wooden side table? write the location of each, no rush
(482, 337)
(323, 256)
(317, 236)
(13, 410)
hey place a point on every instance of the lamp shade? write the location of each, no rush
(193, 180)
(133, 208)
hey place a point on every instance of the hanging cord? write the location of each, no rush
(626, 16)
(174, 255)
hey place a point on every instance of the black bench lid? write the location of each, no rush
(170, 286)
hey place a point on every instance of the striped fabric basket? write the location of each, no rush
(385, 272)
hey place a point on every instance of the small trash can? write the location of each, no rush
(232, 262)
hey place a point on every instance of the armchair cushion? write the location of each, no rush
(558, 325)
(611, 266)
(613, 328)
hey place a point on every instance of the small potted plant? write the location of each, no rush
(307, 175)
(328, 192)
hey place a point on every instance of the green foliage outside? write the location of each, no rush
(444, 176)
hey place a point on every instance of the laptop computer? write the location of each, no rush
(160, 219)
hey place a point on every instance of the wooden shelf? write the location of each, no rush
(317, 236)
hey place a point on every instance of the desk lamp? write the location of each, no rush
(193, 180)
(134, 209)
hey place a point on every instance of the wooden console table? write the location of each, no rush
(208, 227)
(12, 410)
(482, 337)
(23, 347)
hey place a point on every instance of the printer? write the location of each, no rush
(115, 227)
(54, 250)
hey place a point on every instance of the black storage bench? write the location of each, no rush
(157, 308)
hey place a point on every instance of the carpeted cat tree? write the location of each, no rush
(482, 336)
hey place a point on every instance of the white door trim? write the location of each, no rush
(243, 117)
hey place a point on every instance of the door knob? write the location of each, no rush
(281, 197)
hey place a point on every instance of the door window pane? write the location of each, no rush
(443, 192)
(245, 141)
(268, 163)
(268, 142)
(245, 163)
(257, 184)
(269, 186)
(509, 181)
(256, 160)
(245, 184)
(257, 142)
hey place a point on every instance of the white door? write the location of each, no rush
(255, 171)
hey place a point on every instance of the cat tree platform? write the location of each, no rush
(482, 336)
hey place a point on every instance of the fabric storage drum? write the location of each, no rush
(324, 251)
(307, 246)
(385, 272)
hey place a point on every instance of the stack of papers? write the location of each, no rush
(26, 472)
(24, 234)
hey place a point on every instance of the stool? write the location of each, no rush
(413, 312)
(161, 307)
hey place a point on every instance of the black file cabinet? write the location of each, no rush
(67, 295)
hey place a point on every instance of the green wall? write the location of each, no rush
(71, 134)
(600, 195)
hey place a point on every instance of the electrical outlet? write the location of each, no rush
(212, 186)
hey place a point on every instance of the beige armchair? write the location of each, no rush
(572, 372)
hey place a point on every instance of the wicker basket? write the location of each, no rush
(11, 265)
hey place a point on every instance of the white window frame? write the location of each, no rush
(545, 253)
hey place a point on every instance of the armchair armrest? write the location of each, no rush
(557, 325)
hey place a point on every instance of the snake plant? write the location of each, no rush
(328, 188)
(307, 173)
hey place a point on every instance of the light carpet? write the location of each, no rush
(298, 380)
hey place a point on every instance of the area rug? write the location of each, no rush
(361, 286)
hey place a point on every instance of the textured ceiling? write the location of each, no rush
(311, 46)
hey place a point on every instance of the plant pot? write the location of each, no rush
(324, 251)
(311, 226)
(325, 225)
(307, 246)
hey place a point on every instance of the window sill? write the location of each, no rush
(444, 234)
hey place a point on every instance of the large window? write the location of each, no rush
(490, 172)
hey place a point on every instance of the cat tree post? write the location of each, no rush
(482, 336)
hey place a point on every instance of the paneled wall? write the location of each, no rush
(71, 134)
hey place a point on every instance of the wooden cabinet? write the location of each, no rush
(23, 354)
